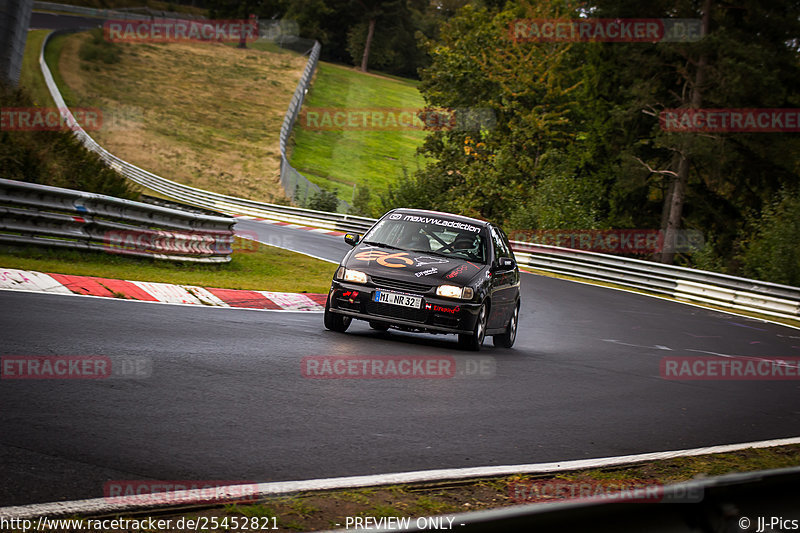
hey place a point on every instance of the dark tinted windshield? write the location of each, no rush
(430, 234)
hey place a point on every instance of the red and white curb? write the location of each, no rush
(30, 281)
(290, 225)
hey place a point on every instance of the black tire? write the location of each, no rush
(380, 326)
(506, 340)
(336, 322)
(474, 341)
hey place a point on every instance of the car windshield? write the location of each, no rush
(441, 236)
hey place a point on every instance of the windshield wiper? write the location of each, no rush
(381, 245)
(434, 253)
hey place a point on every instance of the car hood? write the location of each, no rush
(417, 267)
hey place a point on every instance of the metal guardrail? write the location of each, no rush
(40, 214)
(128, 14)
(679, 282)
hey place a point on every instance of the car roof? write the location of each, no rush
(424, 212)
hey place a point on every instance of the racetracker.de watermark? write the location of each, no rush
(18, 367)
(396, 119)
(176, 30)
(605, 30)
(618, 241)
(636, 491)
(180, 492)
(177, 242)
(50, 119)
(730, 368)
(68, 119)
(730, 120)
(397, 367)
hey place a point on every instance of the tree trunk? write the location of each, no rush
(673, 208)
(367, 44)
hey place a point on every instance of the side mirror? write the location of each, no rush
(506, 263)
(352, 238)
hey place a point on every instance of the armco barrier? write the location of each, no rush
(678, 282)
(129, 14)
(39, 214)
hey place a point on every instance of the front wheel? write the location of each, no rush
(506, 340)
(336, 322)
(475, 341)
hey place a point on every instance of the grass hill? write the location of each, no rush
(206, 115)
(372, 157)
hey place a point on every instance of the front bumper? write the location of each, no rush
(437, 315)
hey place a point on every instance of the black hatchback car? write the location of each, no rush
(431, 272)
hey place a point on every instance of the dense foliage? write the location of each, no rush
(577, 142)
(54, 158)
(342, 26)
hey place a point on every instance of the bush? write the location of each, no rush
(772, 249)
(413, 191)
(54, 158)
(96, 48)
(562, 199)
(361, 203)
(324, 200)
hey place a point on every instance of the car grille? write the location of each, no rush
(396, 311)
(390, 283)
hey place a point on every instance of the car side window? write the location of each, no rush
(500, 248)
(506, 243)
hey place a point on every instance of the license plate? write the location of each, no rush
(398, 299)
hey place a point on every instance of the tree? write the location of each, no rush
(746, 60)
(384, 35)
(771, 251)
(577, 138)
(346, 27)
(362, 203)
(324, 200)
(527, 91)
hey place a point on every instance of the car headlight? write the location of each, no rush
(451, 291)
(355, 276)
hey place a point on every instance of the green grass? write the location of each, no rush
(253, 266)
(250, 511)
(31, 78)
(338, 159)
(266, 46)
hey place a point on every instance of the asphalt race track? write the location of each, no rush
(225, 398)
(53, 21)
(308, 242)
